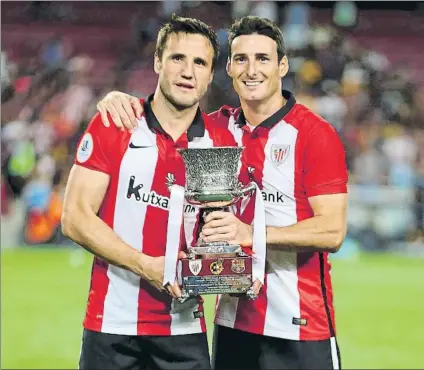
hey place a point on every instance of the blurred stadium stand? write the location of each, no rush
(366, 78)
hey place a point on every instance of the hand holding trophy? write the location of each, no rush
(215, 267)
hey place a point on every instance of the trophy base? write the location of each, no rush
(216, 275)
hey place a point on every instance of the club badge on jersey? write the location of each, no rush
(279, 153)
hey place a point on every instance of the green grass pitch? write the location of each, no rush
(379, 309)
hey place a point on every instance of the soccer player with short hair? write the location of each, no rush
(298, 161)
(117, 205)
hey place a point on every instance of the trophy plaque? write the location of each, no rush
(212, 183)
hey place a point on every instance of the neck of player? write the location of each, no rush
(174, 122)
(257, 111)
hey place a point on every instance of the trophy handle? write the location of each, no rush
(248, 189)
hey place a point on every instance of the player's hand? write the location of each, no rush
(224, 226)
(257, 285)
(123, 108)
(175, 290)
(153, 270)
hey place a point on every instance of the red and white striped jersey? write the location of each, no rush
(141, 166)
(293, 155)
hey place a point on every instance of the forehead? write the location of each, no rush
(187, 43)
(251, 44)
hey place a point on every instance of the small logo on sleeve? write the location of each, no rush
(299, 321)
(85, 148)
(198, 314)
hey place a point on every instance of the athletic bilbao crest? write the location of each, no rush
(279, 153)
(195, 266)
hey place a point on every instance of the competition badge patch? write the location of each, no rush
(85, 148)
(217, 267)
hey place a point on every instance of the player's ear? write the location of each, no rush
(228, 67)
(283, 66)
(157, 64)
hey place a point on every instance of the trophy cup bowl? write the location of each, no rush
(212, 184)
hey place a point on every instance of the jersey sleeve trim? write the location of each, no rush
(327, 189)
(91, 167)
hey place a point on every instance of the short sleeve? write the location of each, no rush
(325, 170)
(93, 147)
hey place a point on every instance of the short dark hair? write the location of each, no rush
(193, 26)
(250, 25)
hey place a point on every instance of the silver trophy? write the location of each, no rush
(212, 183)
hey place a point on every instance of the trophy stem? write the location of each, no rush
(203, 213)
(215, 249)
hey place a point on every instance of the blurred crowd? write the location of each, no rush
(49, 96)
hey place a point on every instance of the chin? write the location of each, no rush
(185, 103)
(251, 96)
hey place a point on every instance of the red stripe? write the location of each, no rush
(96, 298)
(202, 320)
(99, 280)
(195, 228)
(311, 301)
(329, 287)
(251, 315)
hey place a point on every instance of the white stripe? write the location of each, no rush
(175, 221)
(282, 292)
(190, 220)
(334, 355)
(182, 317)
(259, 238)
(121, 303)
(237, 133)
(235, 130)
(226, 311)
(282, 295)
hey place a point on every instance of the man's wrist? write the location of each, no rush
(248, 242)
(139, 263)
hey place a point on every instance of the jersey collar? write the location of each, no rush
(277, 116)
(196, 129)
